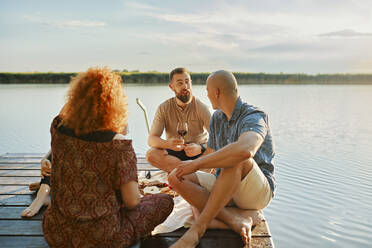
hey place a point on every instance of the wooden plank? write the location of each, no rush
(20, 173)
(22, 155)
(19, 160)
(35, 166)
(205, 242)
(15, 190)
(261, 230)
(262, 242)
(18, 166)
(36, 173)
(18, 180)
(211, 238)
(14, 213)
(38, 155)
(23, 241)
(209, 233)
(25, 160)
(258, 231)
(16, 200)
(20, 227)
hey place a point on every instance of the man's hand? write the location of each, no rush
(176, 144)
(46, 167)
(185, 168)
(192, 149)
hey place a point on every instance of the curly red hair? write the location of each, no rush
(95, 102)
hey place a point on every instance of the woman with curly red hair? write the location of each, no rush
(95, 201)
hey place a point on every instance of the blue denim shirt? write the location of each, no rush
(244, 118)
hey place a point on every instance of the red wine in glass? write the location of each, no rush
(182, 129)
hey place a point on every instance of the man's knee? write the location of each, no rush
(173, 179)
(152, 155)
(176, 183)
(247, 166)
(248, 163)
(242, 168)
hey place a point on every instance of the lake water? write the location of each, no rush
(323, 137)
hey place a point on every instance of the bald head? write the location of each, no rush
(225, 81)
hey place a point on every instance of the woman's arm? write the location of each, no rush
(130, 194)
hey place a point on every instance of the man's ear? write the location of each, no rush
(218, 92)
(171, 86)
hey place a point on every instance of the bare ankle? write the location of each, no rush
(199, 229)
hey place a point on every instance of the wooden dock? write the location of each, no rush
(18, 170)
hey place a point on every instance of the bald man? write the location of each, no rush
(240, 146)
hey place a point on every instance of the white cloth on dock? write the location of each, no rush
(181, 213)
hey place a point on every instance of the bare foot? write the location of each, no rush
(41, 199)
(189, 240)
(243, 226)
(214, 224)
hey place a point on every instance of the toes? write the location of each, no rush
(31, 213)
(244, 236)
(249, 234)
(25, 212)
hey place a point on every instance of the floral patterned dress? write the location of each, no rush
(85, 208)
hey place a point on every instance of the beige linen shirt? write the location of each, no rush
(196, 114)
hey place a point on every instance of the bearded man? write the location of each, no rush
(166, 154)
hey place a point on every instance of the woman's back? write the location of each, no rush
(85, 178)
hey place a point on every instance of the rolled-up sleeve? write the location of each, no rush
(255, 122)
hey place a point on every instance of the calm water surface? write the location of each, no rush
(323, 137)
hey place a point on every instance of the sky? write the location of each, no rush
(271, 36)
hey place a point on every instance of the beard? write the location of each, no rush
(185, 98)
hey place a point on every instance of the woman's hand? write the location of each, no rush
(46, 167)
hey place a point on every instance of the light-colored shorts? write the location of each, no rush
(254, 191)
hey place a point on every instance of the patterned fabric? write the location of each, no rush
(85, 199)
(245, 118)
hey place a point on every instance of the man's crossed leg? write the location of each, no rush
(213, 204)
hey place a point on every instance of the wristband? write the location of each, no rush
(202, 149)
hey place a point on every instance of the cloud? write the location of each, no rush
(217, 30)
(346, 33)
(64, 23)
(194, 40)
(140, 6)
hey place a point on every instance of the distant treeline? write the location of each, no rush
(197, 78)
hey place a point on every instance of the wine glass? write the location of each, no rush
(182, 129)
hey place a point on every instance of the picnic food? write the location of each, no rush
(149, 187)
